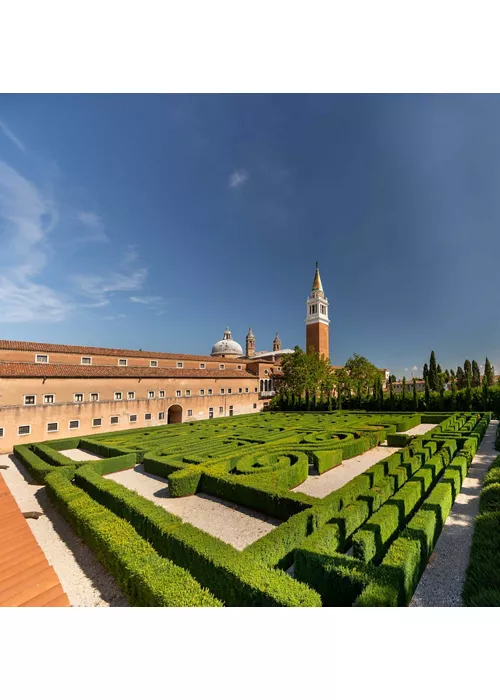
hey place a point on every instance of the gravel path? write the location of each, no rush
(421, 429)
(323, 484)
(83, 578)
(79, 455)
(443, 579)
(229, 522)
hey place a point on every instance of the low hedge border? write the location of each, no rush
(147, 578)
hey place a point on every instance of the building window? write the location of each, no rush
(94, 397)
(30, 400)
(73, 424)
(180, 365)
(222, 366)
(153, 363)
(190, 412)
(86, 361)
(266, 371)
(255, 405)
(210, 392)
(43, 359)
(203, 365)
(161, 415)
(188, 392)
(239, 367)
(222, 391)
(221, 409)
(132, 418)
(230, 410)
(323, 309)
(122, 362)
(2, 433)
(114, 420)
(24, 430)
(246, 390)
(240, 390)
(256, 389)
(96, 422)
(161, 394)
(52, 427)
(78, 398)
(147, 416)
(131, 395)
(202, 392)
(210, 412)
(118, 395)
(178, 392)
(229, 391)
(151, 394)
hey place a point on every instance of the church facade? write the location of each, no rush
(50, 391)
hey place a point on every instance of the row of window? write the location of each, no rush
(123, 362)
(114, 420)
(30, 399)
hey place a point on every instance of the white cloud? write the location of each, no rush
(98, 288)
(415, 368)
(12, 137)
(155, 303)
(238, 178)
(23, 231)
(93, 227)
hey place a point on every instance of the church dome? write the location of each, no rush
(227, 346)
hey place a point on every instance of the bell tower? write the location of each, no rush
(317, 321)
(250, 344)
(276, 343)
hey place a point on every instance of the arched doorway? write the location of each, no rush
(174, 414)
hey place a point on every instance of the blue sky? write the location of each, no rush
(155, 221)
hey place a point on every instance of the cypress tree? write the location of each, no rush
(441, 393)
(381, 396)
(453, 395)
(433, 379)
(439, 370)
(486, 390)
(425, 373)
(476, 376)
(460, 378)
(403, 395)
(415, 397)
(427, 395)
(468, 393)
(468, 370)
(489, 372)
(391, 394)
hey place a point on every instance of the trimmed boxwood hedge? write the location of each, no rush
(147, 578)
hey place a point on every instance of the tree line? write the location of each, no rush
(309, 382)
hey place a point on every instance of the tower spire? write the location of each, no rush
(317, 286)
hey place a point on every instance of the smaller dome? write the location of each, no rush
(227, 346)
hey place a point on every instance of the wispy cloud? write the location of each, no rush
(99, 289)
(12, 137)
(238, 178)
(93, 227)
(155, 303)
(24, 224)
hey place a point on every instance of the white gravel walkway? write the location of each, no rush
(229, 522)
(443, 579)
(83, 578)
(79, 455)
(421, 429)
(323, 484)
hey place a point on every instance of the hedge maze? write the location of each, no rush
(364, 544)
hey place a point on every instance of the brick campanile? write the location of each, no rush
(317, 321)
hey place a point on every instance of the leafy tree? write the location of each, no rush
(489, 372)
(403, 394)
(486, 391)
(476, 375)
(342, 384)
(446, 376)
(460, 378)
(362, 374)
(453, 395)
(468, 393)
(452, 373)
(415, 396)
(441, 392)
(433, 378)
(392, 377)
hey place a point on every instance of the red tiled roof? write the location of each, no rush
(88, 350)
(28, 369)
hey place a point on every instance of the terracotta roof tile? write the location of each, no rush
(88, 350)
(28, 369)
